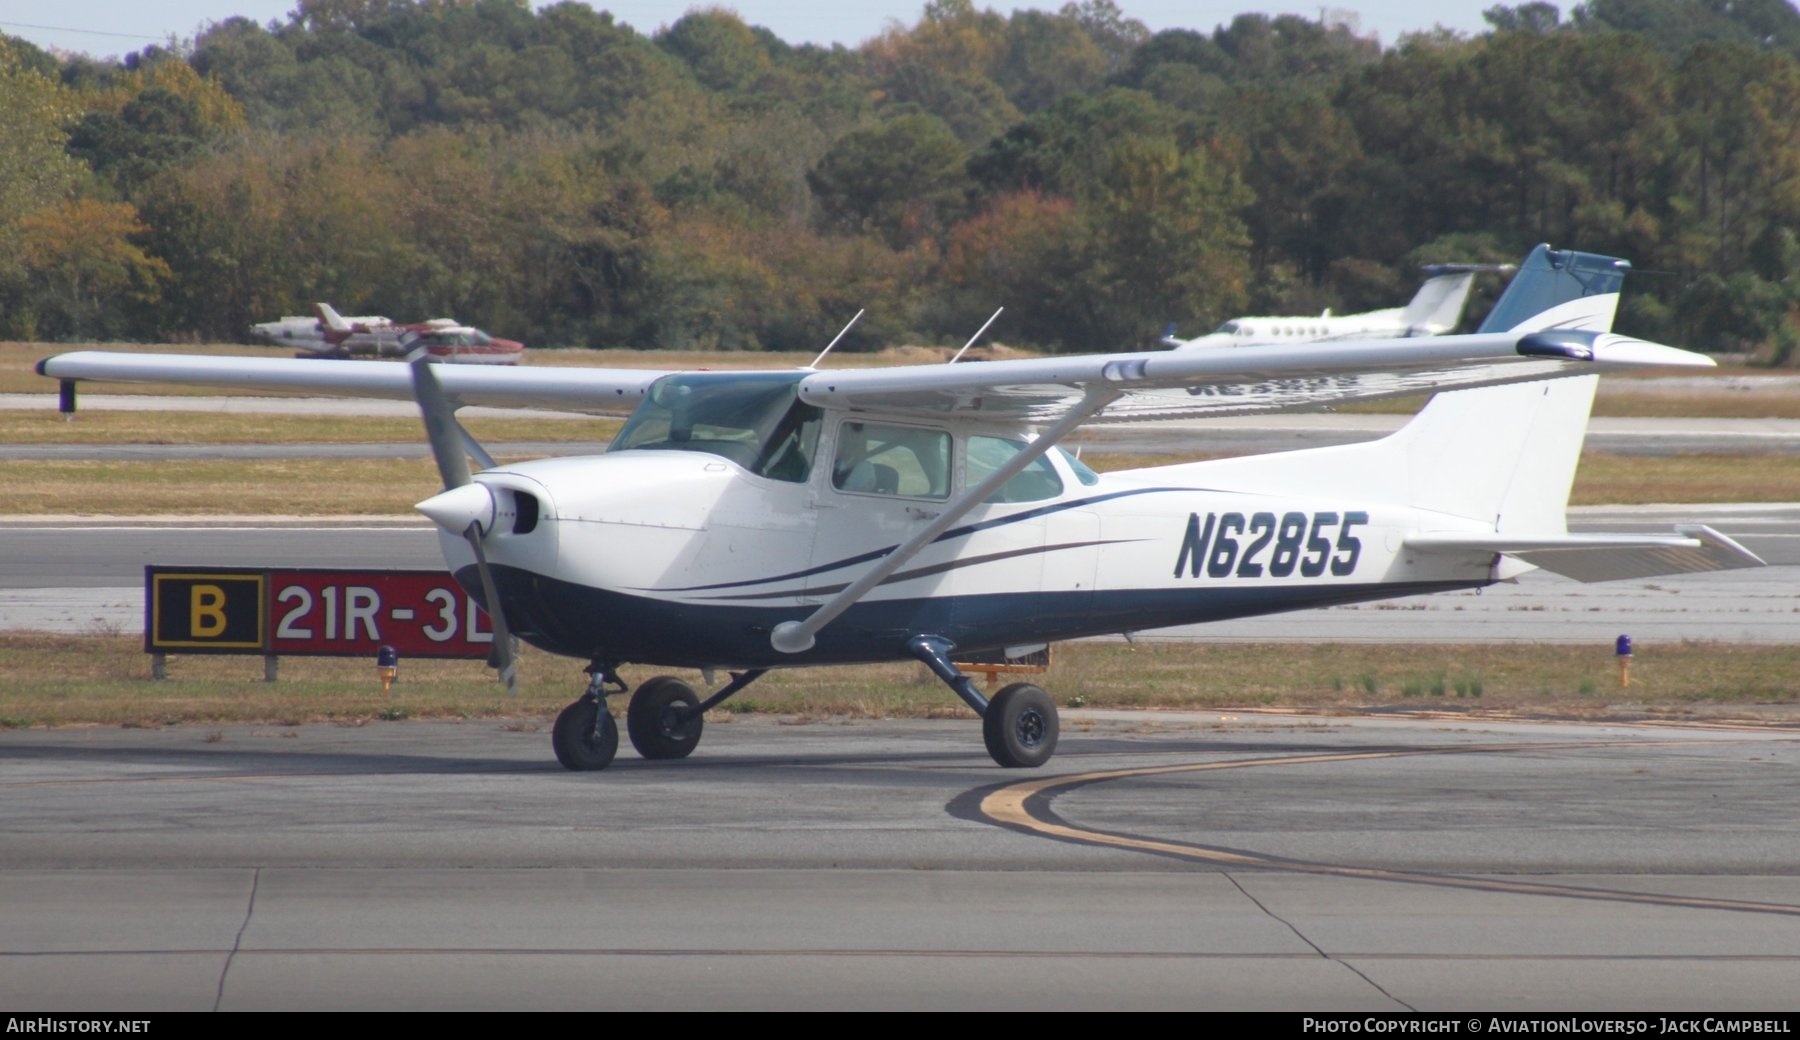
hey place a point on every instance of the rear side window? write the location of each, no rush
(905, 461)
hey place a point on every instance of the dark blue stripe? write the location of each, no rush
(954, 532)
(924, 572)
(565, 618)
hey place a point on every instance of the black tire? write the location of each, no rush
(577, 745)
(1020, 727)
(663, 719)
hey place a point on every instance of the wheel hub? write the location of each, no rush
(1030, 728)
(673, 721)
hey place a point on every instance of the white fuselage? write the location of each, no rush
(686, 558)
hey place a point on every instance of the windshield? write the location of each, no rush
(755, 420)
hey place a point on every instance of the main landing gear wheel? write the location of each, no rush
(664, 719)
(579, 744)
(1020, 726)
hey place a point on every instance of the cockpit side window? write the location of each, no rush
(1034, 483)
(752, 419)
(904, 461)
(788, 453)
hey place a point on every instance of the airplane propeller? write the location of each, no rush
(463, 506)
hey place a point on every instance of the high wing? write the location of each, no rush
(1166, 385)
(1151, 385)
(590, 390)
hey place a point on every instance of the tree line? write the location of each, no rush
(558, 177)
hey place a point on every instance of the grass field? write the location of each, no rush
(375, 487)
(104, 679)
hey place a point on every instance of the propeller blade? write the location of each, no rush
(441, 430)
(447, 440)
(504, 657)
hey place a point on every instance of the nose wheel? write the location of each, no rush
(585, 736)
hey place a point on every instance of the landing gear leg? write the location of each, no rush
(1019, 725)
(585, 736)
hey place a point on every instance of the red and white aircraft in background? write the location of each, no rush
(331, 335)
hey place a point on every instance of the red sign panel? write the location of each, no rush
(353, 613)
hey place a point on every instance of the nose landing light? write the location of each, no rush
(454, 510)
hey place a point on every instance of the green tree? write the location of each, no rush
(972, 106)
(81, 258)
(720, 49)
(901, 179)
(1048, 56)
(1537, 17)
(36, 173)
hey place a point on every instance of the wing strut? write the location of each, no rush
(793, 637)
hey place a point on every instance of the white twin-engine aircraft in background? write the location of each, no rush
(1435, 309)
(743, 521)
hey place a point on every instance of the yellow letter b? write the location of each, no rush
(208, 616)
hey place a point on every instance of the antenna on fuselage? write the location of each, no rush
(972, 339)
(834, 339)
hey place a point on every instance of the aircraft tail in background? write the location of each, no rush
(1560, 289)
(1438, 305)
(332, 319)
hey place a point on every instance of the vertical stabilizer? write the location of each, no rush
(1560, 289)
(332, 319)
(1503, 455)
(1438, 305)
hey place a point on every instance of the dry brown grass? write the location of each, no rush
(375, 487)
(248, 487)
(1604, 479)
(68, 680)
(1783, 403)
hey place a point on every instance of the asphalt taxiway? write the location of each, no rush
(1160, 861)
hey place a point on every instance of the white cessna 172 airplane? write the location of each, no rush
(744, 521)
(1434, 310)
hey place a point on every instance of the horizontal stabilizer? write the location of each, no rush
(1604, 557)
